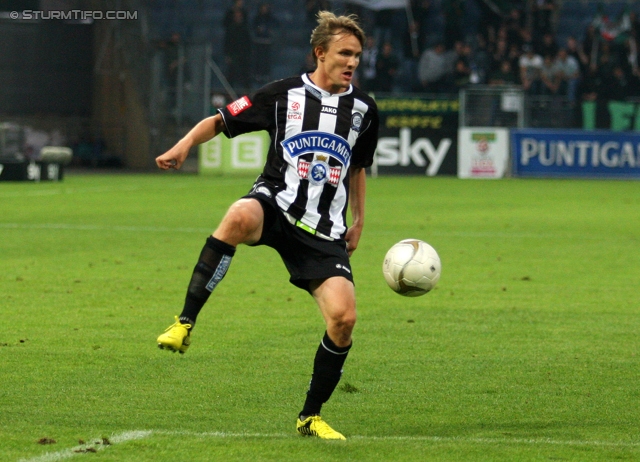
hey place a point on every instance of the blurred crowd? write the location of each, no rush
(405, 53)
(519, 48)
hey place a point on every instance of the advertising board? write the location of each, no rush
(244, 153)
(576, 153)
(483, 152)
(417, 136)
(31, 171)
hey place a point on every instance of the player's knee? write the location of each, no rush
(340, 330)
(345, 322)
(242, 219)
(348, 324)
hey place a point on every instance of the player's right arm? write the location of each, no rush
(203, 131)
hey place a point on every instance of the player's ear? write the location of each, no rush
(320, 53)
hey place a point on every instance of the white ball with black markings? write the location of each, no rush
(412, 267)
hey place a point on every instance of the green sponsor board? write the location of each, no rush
(242, 154)
(617, 116)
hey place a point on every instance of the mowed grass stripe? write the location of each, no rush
(168, 229)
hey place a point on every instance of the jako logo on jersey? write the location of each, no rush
(239, 105)
(318, 142)
(329, 110)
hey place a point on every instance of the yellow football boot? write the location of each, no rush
(315, 426)
(177, 337)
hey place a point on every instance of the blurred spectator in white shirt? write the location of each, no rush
(568, 70)
(530, 66)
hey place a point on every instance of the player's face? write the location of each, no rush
(337, 63)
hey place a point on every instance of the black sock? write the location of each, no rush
(327, 370)
(211, 267)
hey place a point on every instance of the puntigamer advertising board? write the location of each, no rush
(575, 153)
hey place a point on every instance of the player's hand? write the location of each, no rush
(173, 158)
(165, 164)
(352, 238)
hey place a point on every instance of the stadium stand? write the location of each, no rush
(172, 62)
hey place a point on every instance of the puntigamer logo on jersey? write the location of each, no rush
(318, 142)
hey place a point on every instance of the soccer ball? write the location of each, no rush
(412, 267)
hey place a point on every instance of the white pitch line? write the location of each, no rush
(53, 192)
(79, 227)
(166, 229)
(61, 188)
(141, 434)
(433, 439)
(76, 450)
(72, 227)
(530, 441)
(224, 434)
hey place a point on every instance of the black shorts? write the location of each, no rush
(305, 255)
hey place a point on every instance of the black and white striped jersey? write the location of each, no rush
(315, 137)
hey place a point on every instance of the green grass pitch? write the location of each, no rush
(527, 349)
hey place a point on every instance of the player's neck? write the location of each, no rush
(321, 80)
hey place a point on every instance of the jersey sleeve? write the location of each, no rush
(367, 142)
(249, 113)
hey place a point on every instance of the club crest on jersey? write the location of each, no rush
(239, 105)
(318, 171)
(356, 121)
(320, 143)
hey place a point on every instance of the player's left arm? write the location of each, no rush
(362, 158)
(202, 132)
(357, 189)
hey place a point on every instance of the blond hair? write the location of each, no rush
(330, 25)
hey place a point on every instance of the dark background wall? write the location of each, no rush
(45, 68)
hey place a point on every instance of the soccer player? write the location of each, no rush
(323, 135)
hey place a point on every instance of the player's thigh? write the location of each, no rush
(336, 298)
(242, 224)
